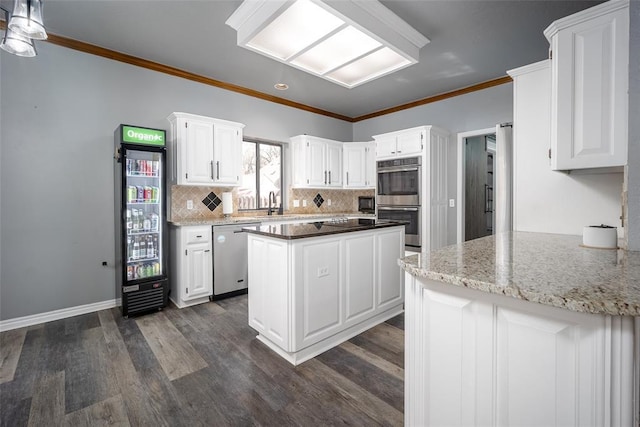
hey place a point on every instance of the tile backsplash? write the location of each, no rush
(341, 200)
(207, 201)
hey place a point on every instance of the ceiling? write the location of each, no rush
(471, 42)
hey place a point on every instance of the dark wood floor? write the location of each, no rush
(191, 367)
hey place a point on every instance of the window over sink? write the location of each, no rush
(261, 174)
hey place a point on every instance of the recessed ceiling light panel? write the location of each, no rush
(341, 48)
(378, 64)
(349, 43)
(299, 26)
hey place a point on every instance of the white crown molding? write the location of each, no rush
(584, 15)
(21, 322)
(526, 69)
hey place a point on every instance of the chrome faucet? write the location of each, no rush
(272, 196)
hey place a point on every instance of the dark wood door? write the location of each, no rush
(478, 193)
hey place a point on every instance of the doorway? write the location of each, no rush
(484, 182)
(479, 186)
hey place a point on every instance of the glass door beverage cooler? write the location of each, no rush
(140, 217)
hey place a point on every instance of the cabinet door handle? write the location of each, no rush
(207, 250)
(325, 177)
(218, 170)
(347, 178)
(399, 151)
(199, 237)
(329, 177)
(212, 170)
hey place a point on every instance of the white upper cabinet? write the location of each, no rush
(204, 150)
(589, 79)
(359, 165)
(403, 143)
(316, 162)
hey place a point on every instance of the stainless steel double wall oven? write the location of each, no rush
(399, 195)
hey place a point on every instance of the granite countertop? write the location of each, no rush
(550, 269)
(266, 218)
(322, 228)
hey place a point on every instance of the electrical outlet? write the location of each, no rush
(189, 204)
(452, 203)
(328, 202)
(296, 203)
(304, 203)
(323, 271)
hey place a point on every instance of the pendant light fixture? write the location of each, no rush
(26, 19)
(17, 44)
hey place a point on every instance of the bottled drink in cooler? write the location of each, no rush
(130, 247)
(136, 248)
(143, 248)
(155, 245)
(146, 223)
(154, 222)
(129, 221)
(150, 248)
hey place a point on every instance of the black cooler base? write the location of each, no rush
(144, 297)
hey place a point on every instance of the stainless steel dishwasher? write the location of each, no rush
(230, 260)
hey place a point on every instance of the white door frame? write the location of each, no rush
(461, 175)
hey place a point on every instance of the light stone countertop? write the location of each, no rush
(550, 269)
(266, 218)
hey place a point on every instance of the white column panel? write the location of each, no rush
(318, 297)
(359, 277)
(389, 276)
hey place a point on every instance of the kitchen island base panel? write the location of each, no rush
(312, 293)
(188, 303)
(301, 356)
(475, 358)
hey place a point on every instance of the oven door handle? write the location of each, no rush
(398, 170)
(391, 208)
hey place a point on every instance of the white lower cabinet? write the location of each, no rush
(475, 359)
(192, 261)
(308, 295)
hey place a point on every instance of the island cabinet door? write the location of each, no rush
(473, 358)
(389, 247)
(448, 352)
(359, 278)
(318, 290)
(269, 294)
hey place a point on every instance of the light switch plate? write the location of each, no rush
(328, 202)
(296, 203)
(189, 204)
(452, 203)
(304, 203)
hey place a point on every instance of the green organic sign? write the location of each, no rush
(142, 136)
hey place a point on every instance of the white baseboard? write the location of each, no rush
(34, 319)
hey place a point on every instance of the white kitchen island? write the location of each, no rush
(313, 286)
(522, 329)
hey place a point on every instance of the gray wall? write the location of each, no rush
(473, 111)
(58, 112)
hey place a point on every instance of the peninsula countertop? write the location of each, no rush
(321, 228)
(550, 269)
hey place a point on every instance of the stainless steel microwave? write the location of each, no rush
(366, 204)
